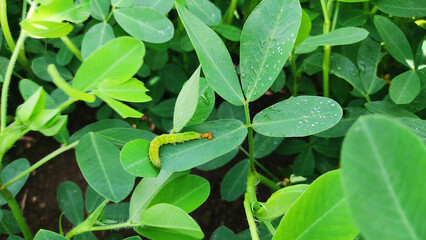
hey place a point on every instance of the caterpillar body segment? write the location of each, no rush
(156, 143)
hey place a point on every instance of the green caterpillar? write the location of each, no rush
(156, 143)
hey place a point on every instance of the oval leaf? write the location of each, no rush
(395, 41)
(402, 8)
(298, 117)
(227, 135)
(404, 87)
(46, 29)
(166, 221)
(45, 234)
(341, 36)
(135, 160)
(280, 201)
(383, 172)
(70, 200)
(187, 192)
(328, 216)
(96, 37)
(145, 24)
(214, 58)
(266, 44)
(234, 182)
(186, 102)
(205, 10)
(99, 161)
(128, 54)
(12, 170)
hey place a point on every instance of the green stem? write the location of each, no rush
(72, 47)
(7, 80)
(250, 134)
(270, 227)
(16, 211)
(39, 163)
(294, 72)
(367, 97)
(114, 226)
(89, 222)
(250, 219)
(227, 20)
(267, 182)
(110, 14)
(67, 103)
(259, 165)
(325, 71)
(326, 60)
(336, 14)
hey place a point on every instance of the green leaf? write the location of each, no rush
(128, 57)
(48, 235)
(417, 125)
(369, 56)
(404, 87)
(187, 192)
(165, 108)
(280, 201)
(328, 216)
(340, 66)
(122, 109)
(222, 232)
(96, 37)
(389, 109)
(214, 58)
(227, 135)
(98, 126)
(27, 88)
(304, 164)
(162, 6)
(298, 117)
(99, 161)
(353, 17)
(145, 24)
(39, 66)
(118, 212)
(173, 77)
(402, 8)
(120, 136)
(219, 161)
(85, 236)
(59, 125)
(135, 160)
(147, 188)
(132, 90)
(341, 36)
(45, 29)
(93, 199)
(205, 10)
(205, 105)
(100, 9)
(32, 107)
(60, 10)
(8, 224)
(292, 146)
(377, 164)
(395, 41)
(229, 32)
(122, 3)
(266, 44)
(420, 58)
(234, 182)
(229, 111)
(353, 0)
(305, 28)
(263, 145)
(165, 221)
(70, 200)
(12, 170)
(45, 119)
(186, 102)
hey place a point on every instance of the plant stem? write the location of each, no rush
(72, 47)
(270, 227)
(110, 14)
(16, 211)
(67, 103)
(250, 219)
(114, 226)
(250, 133)
(294, 72)
(7, 80)
(326, 60)
(367, 97)
(89, 222)
(336, 14)
(227, 19)
(42, 161)
(259, 165)
(267, 182)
